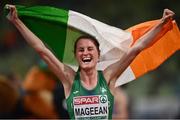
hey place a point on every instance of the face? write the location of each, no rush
(86, 54)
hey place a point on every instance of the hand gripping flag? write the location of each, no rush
(59, 29)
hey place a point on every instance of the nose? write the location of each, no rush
(85, 52)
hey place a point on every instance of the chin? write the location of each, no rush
(87, 67)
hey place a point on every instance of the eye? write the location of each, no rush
(90, 48)
(80, 49)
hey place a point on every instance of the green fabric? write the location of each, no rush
(100, 89)
(72, 35)
(48, 23)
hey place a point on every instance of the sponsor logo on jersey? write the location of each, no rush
(91, 106)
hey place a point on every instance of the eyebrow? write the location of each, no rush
(80, 48)
(90, 47)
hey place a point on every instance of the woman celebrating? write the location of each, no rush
(89, 93)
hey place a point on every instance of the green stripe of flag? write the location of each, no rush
(48, 23)
(71, 36)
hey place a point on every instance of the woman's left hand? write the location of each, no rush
(167, 15)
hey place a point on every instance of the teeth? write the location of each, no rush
(86, 59)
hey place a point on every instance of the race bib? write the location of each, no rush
(91, 107)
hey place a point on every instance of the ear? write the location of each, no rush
(98, 57)
(99, 54)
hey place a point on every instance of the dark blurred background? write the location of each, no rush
(154, 95)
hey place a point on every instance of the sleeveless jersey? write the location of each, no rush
(90, 104)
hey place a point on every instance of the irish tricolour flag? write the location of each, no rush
(59, 29)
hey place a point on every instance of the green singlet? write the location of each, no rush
(90, 104)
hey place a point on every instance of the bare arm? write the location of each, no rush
(112, 72)
(121, 104)
(63, 72)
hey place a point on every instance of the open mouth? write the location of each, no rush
(87, 60)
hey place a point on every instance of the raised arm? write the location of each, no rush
(112, 72)
(63, 72)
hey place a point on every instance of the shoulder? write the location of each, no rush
(105, 76)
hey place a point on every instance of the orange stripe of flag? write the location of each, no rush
(155, 55)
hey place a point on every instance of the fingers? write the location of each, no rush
(167, 15)
(10, 7)
(168, 12)
(7, 6)
(12, 15)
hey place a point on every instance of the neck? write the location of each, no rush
(89, 78)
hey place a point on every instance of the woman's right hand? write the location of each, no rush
(12, 16)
